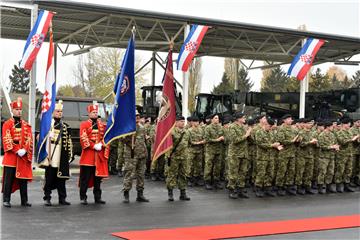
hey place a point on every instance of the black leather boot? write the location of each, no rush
(322, 188)
(269, 192)
(232, 194)
(208, 185)
(140, 196)
(331, 188)
(347, 188)
(170, 195)
(300, 190)
(126, 196)
(183, 195)
(340, 187)
(281, 191)
(242, 193)
(259, 192)
(310, 190)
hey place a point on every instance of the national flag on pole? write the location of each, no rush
(304, 59)
(167, 113)
(190, 46)
(48, 105)
(35, 39)
(121, 121)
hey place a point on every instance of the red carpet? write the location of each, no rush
(244, 229)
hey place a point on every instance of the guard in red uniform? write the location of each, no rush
(93, 160)
(18, 145)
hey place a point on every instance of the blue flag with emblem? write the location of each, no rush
(121, 121)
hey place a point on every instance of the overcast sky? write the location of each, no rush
(340, 17)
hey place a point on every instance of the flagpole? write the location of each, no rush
(303, 85)
(32, 88)
(185, 96)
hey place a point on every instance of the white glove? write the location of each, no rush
(21, 152)
(98, 146)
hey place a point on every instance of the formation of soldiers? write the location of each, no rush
(271, 157)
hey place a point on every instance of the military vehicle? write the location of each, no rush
(73, 113)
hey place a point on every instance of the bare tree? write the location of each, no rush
(195, 76)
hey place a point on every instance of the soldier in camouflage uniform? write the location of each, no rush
(120, 158)
(176, 161)
(135, 154)
(148, 129)
(214, 136)
(305, 160)
(251, 122)
(196, 152)
(328, 146)
(355, 129)
(264, 143)
(285, 175)
(343, 163)
(238, 160)
(224, 151)
(113, 156)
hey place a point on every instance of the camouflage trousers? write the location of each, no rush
(212, 165)
(176, 173)
(308, 171)
(285, 173)
(237, 171)
(195, 163)
(343, 168)
(316, 167)
(134, 169)
(120, 156)
(299, 169)
(326, 170)
(264, 172)
(113, 155)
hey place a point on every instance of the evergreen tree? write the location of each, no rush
(224, 87)
(319, 82)
(20, 79)
(245, 84)
(278, 81)
(355, 80)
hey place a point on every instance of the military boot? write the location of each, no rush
(347, 188)
(140, 196)
(126, 196)
(281, 191)
(153, 177)
(183, 195)
(47, 202)
(300, 190)
(232, 194)
(331, 188)
(200, 181)
(322, 189)
(340, 187)
(269, 192)
(191, 182)
(218, 185)
(259, 192)
(310, 190)
(170, 195)
(208, 185)
(7, 204)
(291, 190)
(242, 193)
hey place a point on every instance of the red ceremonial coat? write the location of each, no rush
(15, 139)
(89, 156)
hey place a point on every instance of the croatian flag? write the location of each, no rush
(304, 59)
(47, 106)
(190, 46)
(35, 39)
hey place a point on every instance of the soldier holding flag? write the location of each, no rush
(58, 162)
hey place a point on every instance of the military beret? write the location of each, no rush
(179, 118)
(346, 120)
(286, 116)
(227, 119)
(270, 121)
(195, 118)
(238, 115)
(189, 119)
(250, 121)
(327, 123)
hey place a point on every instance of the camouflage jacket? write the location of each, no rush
(263, 143)
(212, 132)
(355, 131)
(325, 140)
(285, 135)
(306, 148)
(182, 146)
(137, 142)
(196, 134)
(238, 144)
(344, 137)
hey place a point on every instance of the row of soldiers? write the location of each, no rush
(294, 157)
